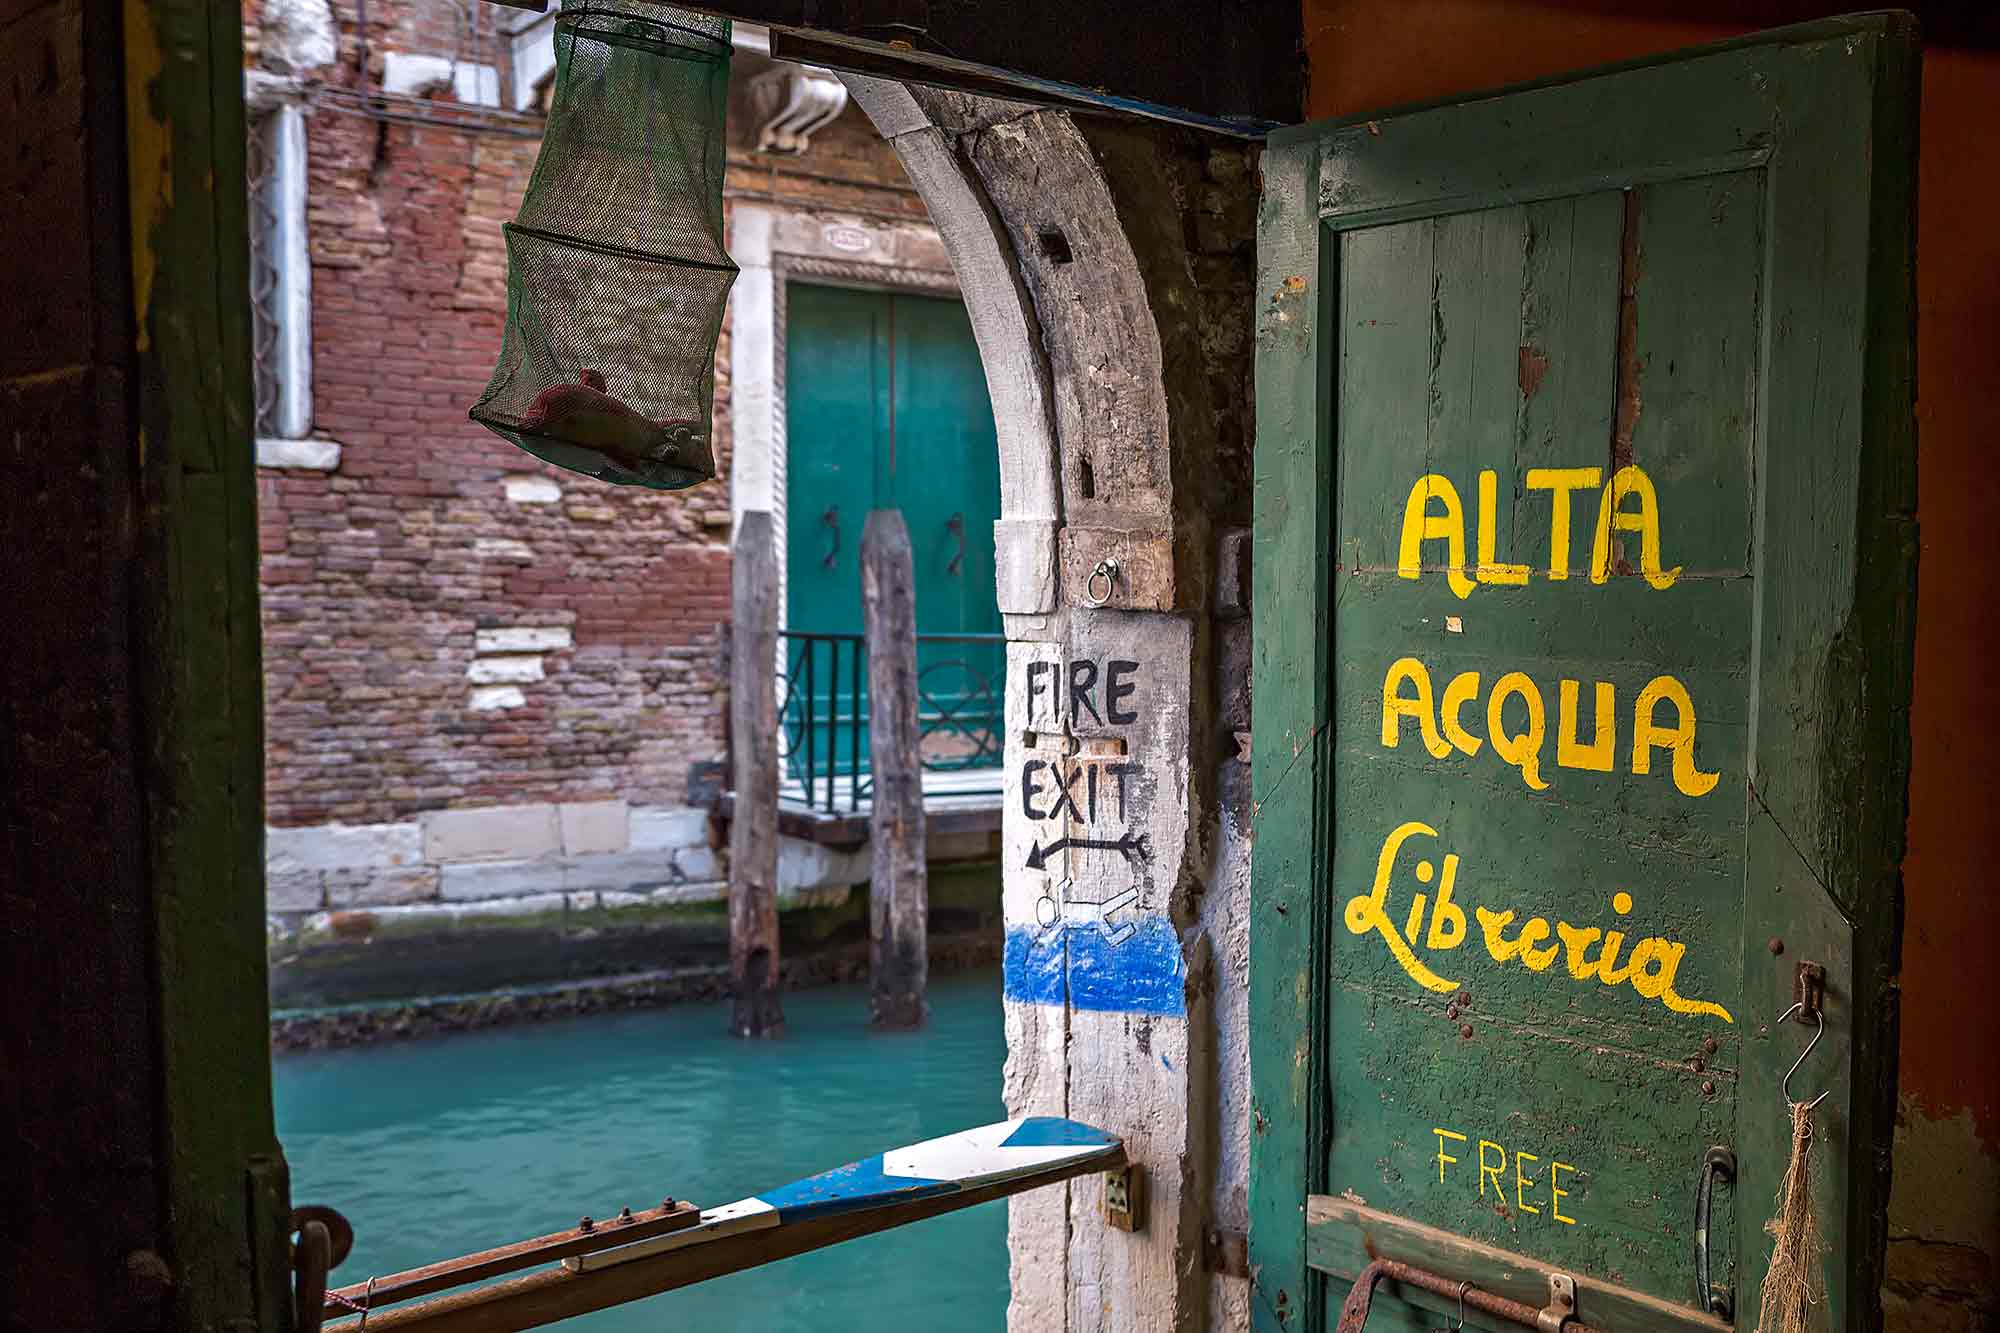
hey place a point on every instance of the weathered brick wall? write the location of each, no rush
(380, 575)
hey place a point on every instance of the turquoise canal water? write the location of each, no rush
(438, 1147)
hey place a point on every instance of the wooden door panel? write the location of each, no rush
(1466, 1034)
(1582, 649)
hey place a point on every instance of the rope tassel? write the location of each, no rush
(1794, 1283)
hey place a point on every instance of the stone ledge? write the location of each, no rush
(343, 847)
(491, 833)
(306, 455)
(391, 1020)
(595, 826)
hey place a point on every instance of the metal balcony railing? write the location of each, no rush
(823, 746)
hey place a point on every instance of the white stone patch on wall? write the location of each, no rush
(306, 455)
(521, 639)
(486, 698)
(294, 36)
(502, 548)
(531, 488)
(511, 669)
(508, 657)
(418, 75)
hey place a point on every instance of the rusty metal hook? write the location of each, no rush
(1820, 1031)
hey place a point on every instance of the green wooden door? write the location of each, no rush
(1585, 555)
(886, 407)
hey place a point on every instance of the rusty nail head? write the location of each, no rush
(1466, 1031)
(1464, 998)
(667, 1202)
(1451, 1012)
(1708, 1044)
(584, 1224)
(1777, 946)
(1708, 1087)
(624, 1214)
(1696, 1064)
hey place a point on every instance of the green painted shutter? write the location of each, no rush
(1585, 474)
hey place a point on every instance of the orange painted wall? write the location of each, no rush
(1374, 54)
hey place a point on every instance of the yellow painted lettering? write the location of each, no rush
(1504, 950)
(1523, 751)
(1679, 738)
(1447, 918)
(1420, 525)
(1559, 482)
(1499, 1190)
(1415, 922)
(1557, 1195)
(1628, 481)
(1659, 984)
(1366, 911)
(1462, 690)
(1596, 757)
(1605, 966)
(1443, 1156)
(1396, 707)
(1522, 1182)
(1490, 571)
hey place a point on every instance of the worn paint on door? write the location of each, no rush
(1581, 389)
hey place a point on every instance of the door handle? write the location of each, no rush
(831, 519)
(955, 525)
(1718, 1301)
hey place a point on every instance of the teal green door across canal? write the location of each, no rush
(442, 1146)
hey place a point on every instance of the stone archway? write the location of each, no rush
(1107, 270)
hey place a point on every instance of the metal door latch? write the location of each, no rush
(1562, 1304)
(1555, 1317)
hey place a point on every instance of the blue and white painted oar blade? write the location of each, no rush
(971, 1158)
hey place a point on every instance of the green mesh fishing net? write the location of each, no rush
(616, 273)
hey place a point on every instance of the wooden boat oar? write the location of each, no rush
(888, 1190)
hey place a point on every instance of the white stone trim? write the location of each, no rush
(1004, 324)
(278, 107)
(306, 455)
(771, 246)
(487, 698)
(521, 639)
(531, 488)
(533, 52)
(410, 75)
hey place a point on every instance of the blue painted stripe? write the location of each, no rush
(845, 1189)
(1049, 1131)
(1081, 966)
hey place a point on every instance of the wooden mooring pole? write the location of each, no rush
(899, 888)
(753, 743)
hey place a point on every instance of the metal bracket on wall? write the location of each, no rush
(1562, 1304)
(1809, 992)
(1125, 1198)
(1226, 1252)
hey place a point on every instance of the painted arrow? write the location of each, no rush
(1133, 847)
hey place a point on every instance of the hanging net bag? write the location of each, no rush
(616, 274)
